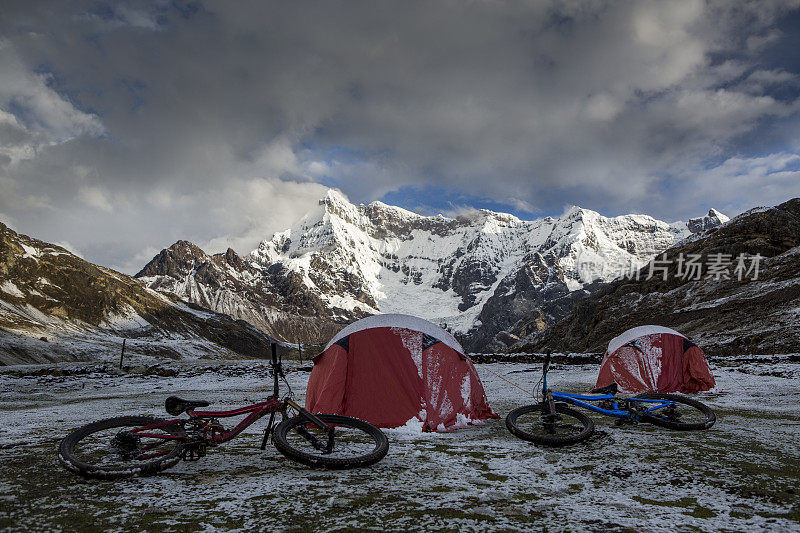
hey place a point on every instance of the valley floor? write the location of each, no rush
(743, 474)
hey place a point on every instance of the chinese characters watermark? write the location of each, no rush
(693, 267)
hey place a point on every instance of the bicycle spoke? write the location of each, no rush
(107, 449)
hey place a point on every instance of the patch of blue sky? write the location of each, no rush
(187, 10)
(783, 54)
(765, 138)
(102, 10)
(135, 89)
(329, 181)
(433, 200)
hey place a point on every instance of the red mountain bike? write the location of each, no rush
(130, 446)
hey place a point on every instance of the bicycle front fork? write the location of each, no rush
(327, 447)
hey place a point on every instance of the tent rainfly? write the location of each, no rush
(395, 370)
(655, 359)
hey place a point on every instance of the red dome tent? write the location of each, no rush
(655, 359)
(394, 369)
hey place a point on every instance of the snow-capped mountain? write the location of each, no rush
(342, 261)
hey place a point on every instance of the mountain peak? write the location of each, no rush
(173, 260)
(575, 211)
(183, 245)
(713, 219)
(231, 258)
(334, 197)
(719, 216)
(337, 204)
(342, 261)
(399, 211)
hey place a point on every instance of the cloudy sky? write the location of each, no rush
(127, 126)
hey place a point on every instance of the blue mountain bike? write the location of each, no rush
(553, 423)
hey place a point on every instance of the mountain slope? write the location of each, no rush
(56, 306)
(342, 261)
(724, 316)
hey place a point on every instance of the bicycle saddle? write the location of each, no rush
(608, 389)
(176, 406)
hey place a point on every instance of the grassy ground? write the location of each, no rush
(742, 474)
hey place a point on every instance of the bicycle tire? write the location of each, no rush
(374, 449)
(707, 420)
(71, 458)
(584, 431)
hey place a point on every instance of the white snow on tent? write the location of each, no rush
(398, 321)
(639, 331)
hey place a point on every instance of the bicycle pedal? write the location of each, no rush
(193, 453)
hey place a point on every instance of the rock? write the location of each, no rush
(492, 496)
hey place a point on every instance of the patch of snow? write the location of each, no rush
(466, 389)
(414, 426)
(30, 251)
(126, 319)
(412, 341)
(10, 288)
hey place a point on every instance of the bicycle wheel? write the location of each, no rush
(684, 413)
(355, 443)
(530, 423)
(109, 449)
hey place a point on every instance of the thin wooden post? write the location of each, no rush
(122, 355)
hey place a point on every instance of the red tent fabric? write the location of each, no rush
(655, 359)
(392, 370)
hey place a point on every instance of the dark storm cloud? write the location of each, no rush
(124, 126)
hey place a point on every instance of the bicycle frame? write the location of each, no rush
(615, 411)
(256, 411)
(581, 400)
(213, 433)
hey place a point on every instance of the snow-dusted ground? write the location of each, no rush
(740, 475)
